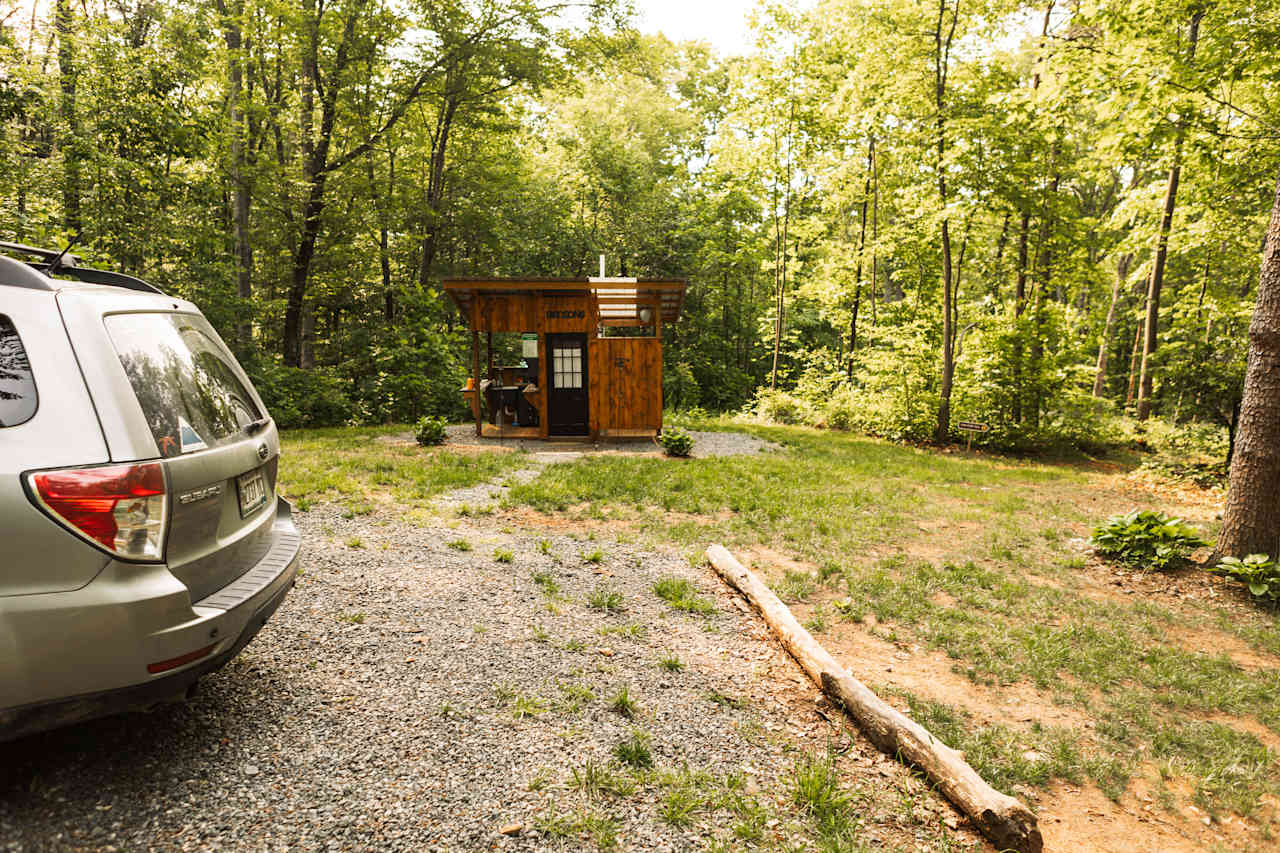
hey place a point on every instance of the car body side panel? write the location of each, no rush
(36, 554)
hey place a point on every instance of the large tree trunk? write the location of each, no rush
(1108, 333)
(70, 137)
(1251, 521)
(1151, 338)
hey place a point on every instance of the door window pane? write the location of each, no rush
(17, 385)
(566, 363)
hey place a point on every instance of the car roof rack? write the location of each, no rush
(53, 261)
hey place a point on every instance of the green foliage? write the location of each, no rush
(1146, 539)
(430, 430)
(681, 594)
(302, 398)
(634, 750)
(816, 791)
(1258, 572)
(676, 441)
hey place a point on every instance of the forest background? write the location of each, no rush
(893, 215)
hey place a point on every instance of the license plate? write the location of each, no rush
(253, 491)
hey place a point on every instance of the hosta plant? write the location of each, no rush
(1257, 571)
(1146, 539)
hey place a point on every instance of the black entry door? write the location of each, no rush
(567, 385)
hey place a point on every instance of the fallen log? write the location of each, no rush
(1003, 819)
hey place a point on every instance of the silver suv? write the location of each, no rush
(142, 544)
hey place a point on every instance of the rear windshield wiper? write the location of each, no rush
(253, 426)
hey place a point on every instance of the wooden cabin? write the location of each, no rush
(591, 355)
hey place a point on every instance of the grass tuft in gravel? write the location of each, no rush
(672, 663)
(624, 703)
(503, 555)
(606, 599)
(816, 791)
(634, 750)
(546, 582)
(460, 545)
(601, 829)
(678, 807)
(595, 557)
(682, 595)
(595, 779)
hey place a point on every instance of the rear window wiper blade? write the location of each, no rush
(253, 426)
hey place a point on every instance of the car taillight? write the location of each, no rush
(120, 507)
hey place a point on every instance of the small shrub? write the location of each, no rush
(430, 430)
(1146, 539)
(1257, 571)
(676, 441)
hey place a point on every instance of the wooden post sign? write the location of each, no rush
(971, 427)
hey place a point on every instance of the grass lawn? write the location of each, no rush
(360, 466)
(977, 561)
(970, 556)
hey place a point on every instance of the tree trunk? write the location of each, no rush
(862, 244)
(1132, 393)
(1251, 520)
(70, 137)
(995, 273)
(941, 61)
(1104, 346)
(1152, 337)
(435, 187)
(1019, 305)
(240, 198)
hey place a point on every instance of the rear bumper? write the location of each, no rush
(85, 654)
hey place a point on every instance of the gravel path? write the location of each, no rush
(381, 709)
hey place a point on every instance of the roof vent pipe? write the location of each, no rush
(602, 265)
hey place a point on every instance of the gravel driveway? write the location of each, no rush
(412, 695)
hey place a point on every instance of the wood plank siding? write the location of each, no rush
(623, 374)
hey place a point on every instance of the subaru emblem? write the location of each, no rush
(263, 452)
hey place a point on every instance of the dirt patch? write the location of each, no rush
(1211, 641)
(930, 675)
(772, 562)
(1083, 820)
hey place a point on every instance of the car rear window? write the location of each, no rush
(183, 378)
(17, 383)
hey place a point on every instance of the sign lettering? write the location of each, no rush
(971, 426)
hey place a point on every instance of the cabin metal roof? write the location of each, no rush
(618, 296)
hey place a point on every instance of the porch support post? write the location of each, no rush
(475, 373)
